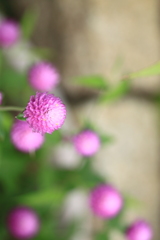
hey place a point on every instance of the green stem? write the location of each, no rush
(11, 108)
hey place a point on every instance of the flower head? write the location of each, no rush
(45, 113)
(1, 97)
(23, 137)
(43, 76)
(139, 230)
(87, 143)
(23, 223)
(9, 33)
(105, 201)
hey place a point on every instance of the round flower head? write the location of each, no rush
(45, 113)
(87, 143)
(139, 230)
(23, 137)
(43, 76)
(105, 201)
(23, 223)
(9, 33)
(1, 97)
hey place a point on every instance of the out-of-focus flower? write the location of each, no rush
(21, 55)
(139, 230)
(23, 223)
(65, 156)
(87, 143)
(43, 76)
(9, 33)
(45, 113)
(105, 201)
(23, 137)
(1, 98)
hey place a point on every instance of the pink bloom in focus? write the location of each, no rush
(43, 76)
(23, 223)
(45, 113)
(23, 137)
(139, 230)
(105, 201)
(87, 143)
(9, 33)
(1, 97)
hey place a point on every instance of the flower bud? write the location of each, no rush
(43, 76)
(139, 230)
(105, 201)
(87, 143)
(23, 137)
(9, 33)
(23, 223)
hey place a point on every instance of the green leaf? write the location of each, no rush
(51, 196)
(146, 72)
(101, 236)
(132, 202)
(28, 23)
(20, 117)
(105, 139)
(44, 53)
(115, 93)
(95, 82)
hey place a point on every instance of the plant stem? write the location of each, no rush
(11, 108)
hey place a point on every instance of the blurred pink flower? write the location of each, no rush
(45, 113)
(139, 230)
(1, 98)
(87, 143)
(43, 76)
(9, 33)
(23, 137)
(105, 201)
(23, 223)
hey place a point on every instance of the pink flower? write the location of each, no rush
(23, 223)
(1, 97)
(139, 230)
(9, 33)
(87, 143)
(45, 113)
(105, 201)
(23, 137)
(43, 76)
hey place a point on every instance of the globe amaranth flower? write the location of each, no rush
(45, 113)
(23, 137)
(43, 76)
(105, 201)
(139, 230)
(23, 223)
(1, 98)
(87, 143)
(9, 33)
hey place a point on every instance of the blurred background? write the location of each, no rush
(82, 38)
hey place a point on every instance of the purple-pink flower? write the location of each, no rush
(9, 33)
(1, 98)
(87, 143)
(139, 230)
(105, 201)
(43, 76)
(23, 137)
(45, 113)
(23, 223)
